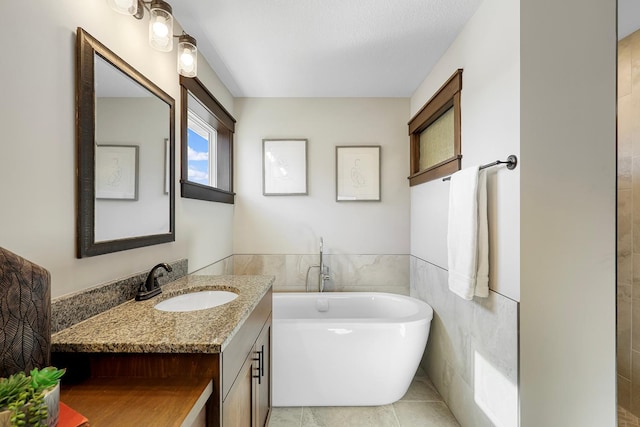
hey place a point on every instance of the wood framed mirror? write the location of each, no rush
(125, 154)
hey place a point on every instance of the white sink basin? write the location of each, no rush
(196, 301)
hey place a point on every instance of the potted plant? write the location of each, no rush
(30, 400)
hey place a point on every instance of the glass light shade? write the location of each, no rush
(126, 7)
(187, 56)
(161, 26)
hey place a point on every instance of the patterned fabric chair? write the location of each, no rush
(25, 314)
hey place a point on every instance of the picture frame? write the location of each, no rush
(116, 172)
(358, 173)
(284, 167)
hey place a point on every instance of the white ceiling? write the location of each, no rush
(323, 48)
(628, 17)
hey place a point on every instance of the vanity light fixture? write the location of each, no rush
(187, 56)
(161, 31)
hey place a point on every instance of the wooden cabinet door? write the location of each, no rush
(237, 408)
(249, 399)
(262, 403)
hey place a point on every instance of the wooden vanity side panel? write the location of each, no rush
(234, 354)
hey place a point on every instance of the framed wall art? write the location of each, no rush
(284, 167)
(358, 173)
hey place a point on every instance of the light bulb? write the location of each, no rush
(161, 26)
(187, 56)
(160, 29)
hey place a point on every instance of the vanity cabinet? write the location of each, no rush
(239, 376)
(248, 401)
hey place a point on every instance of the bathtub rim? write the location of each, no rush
(424, 314)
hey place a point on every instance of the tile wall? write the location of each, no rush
(472, 352)
(628, 256)
(348, 273)
(224, 267)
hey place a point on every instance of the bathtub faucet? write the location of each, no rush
(323, 274)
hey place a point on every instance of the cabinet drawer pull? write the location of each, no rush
(262, 361)
(259, 369)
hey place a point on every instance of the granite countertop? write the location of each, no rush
(137, 327)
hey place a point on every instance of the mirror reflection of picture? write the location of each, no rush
(358, 173)
(117, 172)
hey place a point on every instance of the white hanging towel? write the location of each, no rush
(468, 234)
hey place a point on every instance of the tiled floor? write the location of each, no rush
(627, 419)
(422, 406)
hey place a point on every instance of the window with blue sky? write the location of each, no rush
(201, 151)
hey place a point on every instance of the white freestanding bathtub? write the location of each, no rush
(346, 348)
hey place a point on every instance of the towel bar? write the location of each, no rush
(511, 162)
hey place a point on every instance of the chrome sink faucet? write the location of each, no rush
(150, 287)
(323, 274)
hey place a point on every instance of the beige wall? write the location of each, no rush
(37, 152)
(293, 224)
(628, 338)
(568, 213)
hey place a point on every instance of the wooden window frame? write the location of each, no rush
(225, 128)
(448, 96)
